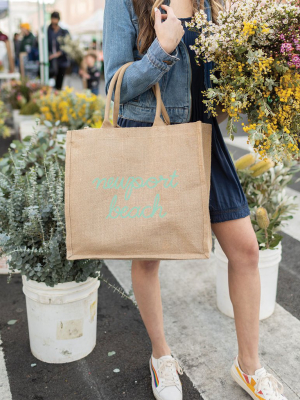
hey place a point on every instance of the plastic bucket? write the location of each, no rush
(268, 268)
(27, 128)
(62, 320)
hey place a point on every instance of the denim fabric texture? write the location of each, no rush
(172, 71)
(184, 102)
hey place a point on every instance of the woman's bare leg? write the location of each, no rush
(146, 289)
(239, 243)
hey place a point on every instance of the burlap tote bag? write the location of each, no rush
(138, 193)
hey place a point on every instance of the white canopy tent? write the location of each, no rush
(94, 24)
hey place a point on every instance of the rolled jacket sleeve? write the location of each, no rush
(119, 41)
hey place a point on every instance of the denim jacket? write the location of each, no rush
(172, 71)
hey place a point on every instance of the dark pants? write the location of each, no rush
(95, 90)
(60, 77)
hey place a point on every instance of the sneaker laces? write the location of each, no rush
(167, 373)
(270, 386)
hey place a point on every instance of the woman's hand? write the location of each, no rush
(55, 55)
(169, 32)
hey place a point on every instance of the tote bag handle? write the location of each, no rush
(117, 78)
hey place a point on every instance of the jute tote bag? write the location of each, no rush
(138, 193)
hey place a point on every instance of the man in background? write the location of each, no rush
(28, 40)
(58, 59)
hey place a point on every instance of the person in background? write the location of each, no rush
(28, 40)
(92, 73)
(59, 61)
(94, 44)
(17, 45)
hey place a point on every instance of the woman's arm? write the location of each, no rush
(119, 37)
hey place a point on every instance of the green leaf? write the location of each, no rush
(275, 241)
(48, 124)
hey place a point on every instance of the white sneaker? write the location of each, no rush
(166, 384)
(260, 386)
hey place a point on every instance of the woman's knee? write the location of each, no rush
(245, 253)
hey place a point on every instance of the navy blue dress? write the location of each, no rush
(227, 199)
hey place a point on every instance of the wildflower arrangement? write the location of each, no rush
(4, 130)
(256, 51)
(74, 110)
(264, 185)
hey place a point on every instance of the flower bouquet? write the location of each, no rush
(256, 51)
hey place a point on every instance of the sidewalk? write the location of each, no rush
(120, 329)
(204, 340)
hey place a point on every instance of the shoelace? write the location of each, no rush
(270, 386)
(167, 372)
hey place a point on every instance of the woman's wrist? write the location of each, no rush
(165, 47)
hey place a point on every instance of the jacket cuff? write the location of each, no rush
(160, 58)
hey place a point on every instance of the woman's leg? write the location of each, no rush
(146, 289)
(239, 243)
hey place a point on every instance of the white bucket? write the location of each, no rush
(18, 119)
(268, 268)
(16, 114)
(27, 128)
(62, 320)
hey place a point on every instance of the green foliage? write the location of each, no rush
(268, 190)
(32, 151)
(30, 108)
(32, 226)
(4, 130)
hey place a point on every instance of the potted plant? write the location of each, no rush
(264, 186)
(61, 295)
(43, 143)
(32, 150)
(31, 111)
(73, 110)
(17, 94)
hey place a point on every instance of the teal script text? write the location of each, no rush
(134, 183)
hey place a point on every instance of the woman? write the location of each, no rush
(158, 41)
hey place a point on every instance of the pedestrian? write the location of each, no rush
(59, 61)
(28, 38)
(17, 45)
(92, 73)
(152, 34)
